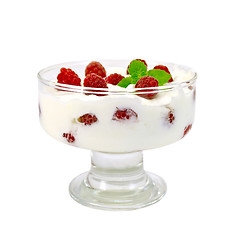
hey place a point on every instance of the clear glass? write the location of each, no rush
(117, 182)
(117, 179)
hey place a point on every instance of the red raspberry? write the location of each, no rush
(87, 119)
(124, 114)
(70, 138)
(147, 82)
(95, 67)
(95, 81)
(165, 68)
(187, 129)
(171, 117)
(114, 78)
(137, 60)
(68, 76)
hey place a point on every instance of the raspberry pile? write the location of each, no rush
(95, 77)
(147, 82)
(68, 76)
(87, 119)
(124, 114)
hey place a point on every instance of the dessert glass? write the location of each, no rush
(117, 179)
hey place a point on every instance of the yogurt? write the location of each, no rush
(160, 121)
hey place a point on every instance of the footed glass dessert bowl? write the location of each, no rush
(117, 109)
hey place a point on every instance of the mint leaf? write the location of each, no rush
(162, 76)
(125, 82)
(137, 69)
(135, 79)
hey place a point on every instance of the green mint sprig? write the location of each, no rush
(138, 69)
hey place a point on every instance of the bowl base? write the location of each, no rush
(144, 195)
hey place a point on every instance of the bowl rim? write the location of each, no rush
(102, 91)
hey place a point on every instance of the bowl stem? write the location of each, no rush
(117, 182)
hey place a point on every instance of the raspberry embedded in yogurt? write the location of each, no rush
(187, 129)
(70, 138)
(171, 117)
(124, 114)
(87, 119)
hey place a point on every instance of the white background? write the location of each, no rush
(202, 171)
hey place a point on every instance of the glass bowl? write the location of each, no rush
(117, 180)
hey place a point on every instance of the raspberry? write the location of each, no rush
(70, 138)
(124, 114)
(95, 81)
(68, 76)
(114, 78)
(164, 68)
(137, 60)
(87, 119)
(171, 117)
(95, 67)
(187, 129)
(147, 82)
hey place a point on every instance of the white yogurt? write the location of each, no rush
(151, 128)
